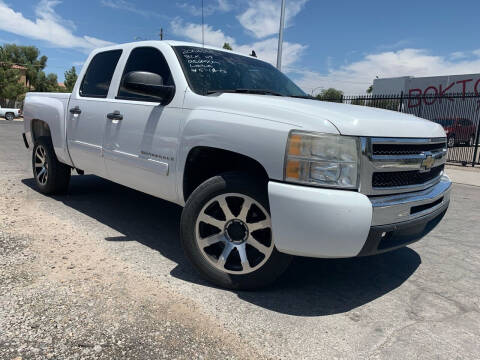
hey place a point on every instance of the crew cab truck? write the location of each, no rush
(9, 114)
(263, 171)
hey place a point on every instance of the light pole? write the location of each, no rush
(280, 36)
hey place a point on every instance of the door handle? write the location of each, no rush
(115, 115)
(75, 110)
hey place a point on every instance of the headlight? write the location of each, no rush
(322, 160)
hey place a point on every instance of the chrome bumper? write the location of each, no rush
(397, 208)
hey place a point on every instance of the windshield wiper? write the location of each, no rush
(258, 92)
(246, 91)
(302, 97)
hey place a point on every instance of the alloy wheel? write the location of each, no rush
(234, 233)
(41, 165)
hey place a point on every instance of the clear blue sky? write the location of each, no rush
(343, 44)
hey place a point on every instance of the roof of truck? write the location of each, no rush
(168, 42)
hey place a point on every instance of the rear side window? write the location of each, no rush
(99, 74)
(145, 59)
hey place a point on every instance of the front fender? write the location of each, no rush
(259, 139)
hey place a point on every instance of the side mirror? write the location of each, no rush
(148, 84)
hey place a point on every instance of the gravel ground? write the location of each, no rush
(62, 296)
(99, 274)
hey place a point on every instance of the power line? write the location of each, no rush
(203, 27)
(280, 36)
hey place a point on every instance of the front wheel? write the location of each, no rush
(226, 233)
(9, 116)
(51, 176)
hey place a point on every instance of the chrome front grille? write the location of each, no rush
(396, 165)
(405, 149)
(404, 178)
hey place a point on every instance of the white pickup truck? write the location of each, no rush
(9, 114)
(263, 171)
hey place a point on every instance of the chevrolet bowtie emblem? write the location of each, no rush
(428, 162)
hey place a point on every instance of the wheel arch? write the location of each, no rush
(204, 162)
(39, 128)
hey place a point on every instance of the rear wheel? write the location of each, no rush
(227, 233)
(51, 176)
(9, 116)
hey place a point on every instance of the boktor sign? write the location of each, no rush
(430, 86)
(429, 90)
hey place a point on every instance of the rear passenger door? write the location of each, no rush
(140, 149)
(86, 119)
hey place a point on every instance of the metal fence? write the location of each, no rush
(459, 114)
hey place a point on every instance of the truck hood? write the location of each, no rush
(311, 115)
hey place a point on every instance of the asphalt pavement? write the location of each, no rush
(99, 273)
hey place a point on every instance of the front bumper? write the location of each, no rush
(328, 223)
(384, 238)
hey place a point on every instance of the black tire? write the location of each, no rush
(9, 116)
(228, 183)
(58, 174)
(451, 141)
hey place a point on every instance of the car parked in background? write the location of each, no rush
(10, 114)
(458, 130)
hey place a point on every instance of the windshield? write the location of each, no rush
(210, 71)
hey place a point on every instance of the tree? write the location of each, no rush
(370, 89)
(46, 83)
(70, 78)
(26, 56)
(330, 94)
(227, 46)
(10, 86)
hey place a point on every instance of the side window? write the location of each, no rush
(99, 74)
(145, 59)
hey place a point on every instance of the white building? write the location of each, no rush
(435, 85)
